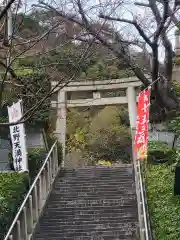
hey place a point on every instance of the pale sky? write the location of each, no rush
(125, 12)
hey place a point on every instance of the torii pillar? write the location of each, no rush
(61, 121)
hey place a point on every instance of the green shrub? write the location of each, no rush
(111, 144)
(108, 138)
(13, 187)
(164, 208)
(160, 150)
(36, 159)
(51, 140)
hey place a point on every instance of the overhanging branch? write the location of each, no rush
(139, 29)
(4, 11)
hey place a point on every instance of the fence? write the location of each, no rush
(143, 214)
(162, 136)
(32, 206)
(144, 221)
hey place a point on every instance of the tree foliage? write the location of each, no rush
(150, 30)
(108, 138)
(104, 136)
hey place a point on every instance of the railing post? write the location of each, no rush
(36, 214)
(18, 230)
(48, 174)
(53, 163)
(44, 184)
(25, 229)
(50, 171)
(56, 156)
(39, 194)
(30, 218)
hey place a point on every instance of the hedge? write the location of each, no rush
(13, 187)
(164, 208)
(160, 150)
(36, 157)
(50, 141)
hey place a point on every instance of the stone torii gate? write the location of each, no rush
(129, 85)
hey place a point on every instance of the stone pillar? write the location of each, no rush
(61, 121)
(132, 108)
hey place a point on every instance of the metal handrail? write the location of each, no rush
(30, 210)
(144, 224)
(143, 202)
(149, 220)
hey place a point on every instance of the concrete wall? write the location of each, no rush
(161, 136)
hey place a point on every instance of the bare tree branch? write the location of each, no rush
(139, 29)
(163, 20)
(120, 54)
(4, 11)
(28, 114)
(141, 4)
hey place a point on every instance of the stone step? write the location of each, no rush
(85, 177)
(85, 229)
(90, 238)
(91, 221)
(75, 180)
(98, 169)
(84, 196)
(122, 234)
(92, 209)
(103, 171)
(94, 170)
(92, 204)
(98, 174)
(93, 188)
(88, 211)
(97, 195)
(94, 184)
(104, 168)
(97, 203)
(87, 215)
(96, 190)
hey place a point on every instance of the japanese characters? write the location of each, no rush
(142, 122)
(18, 138)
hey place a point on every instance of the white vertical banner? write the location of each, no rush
(17, 132)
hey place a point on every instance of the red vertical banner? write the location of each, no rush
(142, 122)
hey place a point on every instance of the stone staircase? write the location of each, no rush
(93, 203)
